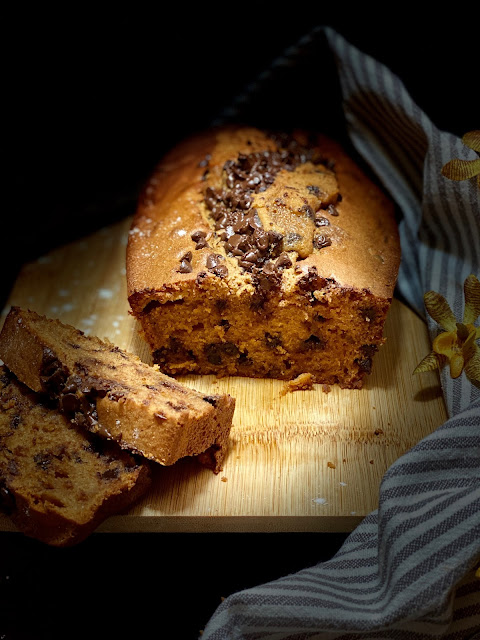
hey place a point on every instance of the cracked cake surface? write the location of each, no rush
(262, 255)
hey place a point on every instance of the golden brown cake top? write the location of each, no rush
(237, 201)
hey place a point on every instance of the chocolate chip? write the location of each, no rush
(221, 305)
(261, 239)
(320, 242)
(283, 261)
(369, 350)
(212, 260)
(314, 342)
(43, 460)
(273, 341)
(185, 267)
(69, 403)
(244, 360)
(213, 354)
(369, 314)
(201, 277)
(313, 189)
(177, 406)
(364, 364)
(215, 351)
(201, 243)
(185, 263)
(225, 324)
(307, 210)
(321, 221)
(311, 281)
(332, 210)
(211, 400)
(110, 474)
(12, 468)
(215, 265)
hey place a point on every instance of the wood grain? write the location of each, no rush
(304, 461)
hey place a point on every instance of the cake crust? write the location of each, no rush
(319, 230)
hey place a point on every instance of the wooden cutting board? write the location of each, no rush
(304, 461)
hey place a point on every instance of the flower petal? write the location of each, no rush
(456, 365)
(446, 343)
(469, 347)
(462, 331)
(439, 309)
(458, 169)
(472, 368)
(429, 363)
(471, 288)
(472, 140)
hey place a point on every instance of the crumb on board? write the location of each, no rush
(326, 388)
(303, 382)
(331, 465)
(224, 479)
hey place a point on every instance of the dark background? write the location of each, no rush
(92, 101)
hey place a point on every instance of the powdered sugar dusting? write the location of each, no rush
(105, 294)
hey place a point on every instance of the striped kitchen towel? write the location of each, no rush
(408, 570)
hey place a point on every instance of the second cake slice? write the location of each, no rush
(114, 394)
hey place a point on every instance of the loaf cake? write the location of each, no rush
(115, 395)
(264, 255)
(57, 481)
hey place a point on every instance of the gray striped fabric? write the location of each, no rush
(407, 571)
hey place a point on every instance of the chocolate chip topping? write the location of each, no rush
(237, 223)
(311, 281)
(321, 221)
(216, 264)
(185, 263)
(200, 238)
(319, 242)
(331, 209)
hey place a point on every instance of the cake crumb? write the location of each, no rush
(303, 382)
(331, 465)
(224, 479)
(326, 388)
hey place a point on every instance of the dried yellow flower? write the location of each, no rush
(457, 344)
(458, 169)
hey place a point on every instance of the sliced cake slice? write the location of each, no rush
(57, 481)
(114, 394)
